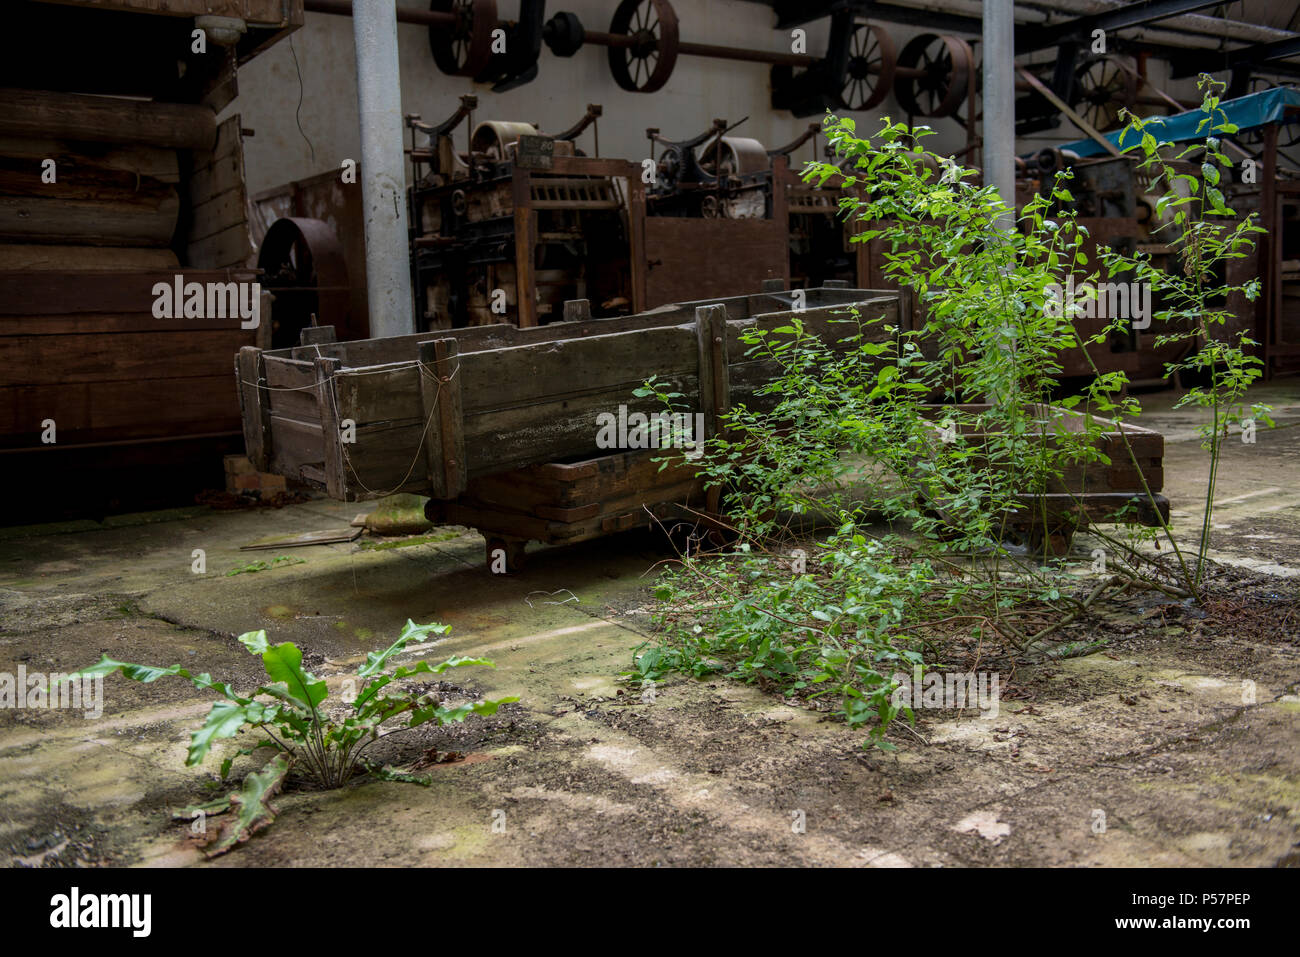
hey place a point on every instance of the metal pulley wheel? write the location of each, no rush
(941, 79)
(644, 63)
(870, 73)
(465, 49)
(494, 138)
(302, 264)
(740, 156)
(1102, 87)
(668, 168)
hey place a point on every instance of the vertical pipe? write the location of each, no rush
(999, 102)
(383, 168)
(999, 129)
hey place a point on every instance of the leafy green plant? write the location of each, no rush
(322, 738)
(932, 450)
(1204, 234)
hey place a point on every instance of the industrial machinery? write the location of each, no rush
(819, 236)
(711, 175)
(517, 223)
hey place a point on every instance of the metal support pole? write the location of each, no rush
(383, 168)
(999, 129)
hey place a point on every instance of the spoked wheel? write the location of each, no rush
(645, 64)
(937, 75)
(1102, 88)
(870, 74)
(465, 49)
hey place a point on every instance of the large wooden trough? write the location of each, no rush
(498, 424)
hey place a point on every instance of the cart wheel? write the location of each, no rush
(505, 556)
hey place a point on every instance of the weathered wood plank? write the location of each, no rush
(39, 113)
(521, 374)
(294, 444)
(62, 259)
(711, 348)
(451, 413)
(121, 221)
(228, 248)
(72, 158)
(49, 360)
(331, 426)
(116, 411)
(217, 214)
(433, 439)
(53, 294)
(255, 409)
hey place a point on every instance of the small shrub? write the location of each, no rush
(322, 738)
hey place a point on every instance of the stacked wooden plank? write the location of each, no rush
(83, 246)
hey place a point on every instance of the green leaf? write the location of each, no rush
(254, 641)
(387, 773)
(252, 806)
(283, 663)
(146, 674)
(452, 715)
(210, 808)
(375, 660)
(224, 720)
(419, 668)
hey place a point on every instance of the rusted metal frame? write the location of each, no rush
(1040, 87)
(631, 173)
(780, 203)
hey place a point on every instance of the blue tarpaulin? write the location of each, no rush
(1247, 112)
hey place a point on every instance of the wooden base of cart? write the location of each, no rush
(561, 503)
(1047, 523)
(1125, 491)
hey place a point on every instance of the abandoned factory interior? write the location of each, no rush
(650, 433)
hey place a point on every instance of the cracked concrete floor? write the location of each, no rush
(1150, 738)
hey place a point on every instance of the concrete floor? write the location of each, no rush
(1151, 736)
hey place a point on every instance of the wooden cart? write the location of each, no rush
(499, 425)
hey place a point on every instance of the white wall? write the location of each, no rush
(699, 90)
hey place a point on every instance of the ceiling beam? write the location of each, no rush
(1263, 55)
(793, 13)
(1029, 39)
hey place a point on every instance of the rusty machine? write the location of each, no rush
(718, 176)
(518, 223)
